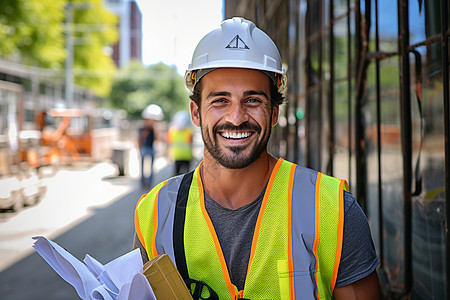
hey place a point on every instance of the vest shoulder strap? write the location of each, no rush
(178, 227)
(178, 240)
(329, 231)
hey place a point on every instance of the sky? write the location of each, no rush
(172, 29)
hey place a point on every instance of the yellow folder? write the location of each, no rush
(165, 280)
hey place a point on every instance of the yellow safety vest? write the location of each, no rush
(180, 144)
(297, 241)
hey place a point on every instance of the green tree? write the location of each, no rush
(33, 32)
(95, 28)
(136, 86)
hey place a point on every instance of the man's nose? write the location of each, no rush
(237, 114)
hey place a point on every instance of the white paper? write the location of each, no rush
(136, 289)
(121, 278)
(93, 265)
(121, 272)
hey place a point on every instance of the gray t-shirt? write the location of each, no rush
(235, 229)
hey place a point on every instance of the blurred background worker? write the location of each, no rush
(146, 139)
(179, 139)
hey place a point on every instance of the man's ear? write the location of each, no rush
(275, 111)
(195, 113)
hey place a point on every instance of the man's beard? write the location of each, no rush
(237, 159)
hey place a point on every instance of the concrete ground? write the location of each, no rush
(87, 210)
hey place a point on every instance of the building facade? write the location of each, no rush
(129, 46)
(368, 101)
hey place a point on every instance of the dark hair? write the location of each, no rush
(275, 96)
(196, 95)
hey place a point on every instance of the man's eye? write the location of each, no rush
(253, 100)
(218, 101)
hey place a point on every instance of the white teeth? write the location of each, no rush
(234, 135)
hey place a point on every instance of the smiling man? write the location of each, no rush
(235, 122)
(243, 224)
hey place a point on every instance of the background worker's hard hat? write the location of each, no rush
(181, 119)
(153, 112)
(237, 43)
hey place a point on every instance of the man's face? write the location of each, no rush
(235, 115)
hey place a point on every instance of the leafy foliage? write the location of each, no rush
(136, 86)
(33, 32)
(94, 29)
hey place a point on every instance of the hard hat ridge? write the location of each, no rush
(237, 43)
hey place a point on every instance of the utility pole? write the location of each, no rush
(69, 48)
(69, 55)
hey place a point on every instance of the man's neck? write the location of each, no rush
(234, 188)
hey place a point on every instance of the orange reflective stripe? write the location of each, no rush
(343, 185)
(346, 188)
(155, 221)
(155, 226)
(290, 262)
(261, 213)
(136, 221)
(223, 263)
(317, 231)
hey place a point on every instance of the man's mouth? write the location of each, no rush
(236, 135)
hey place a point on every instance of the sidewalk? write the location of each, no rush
(73, 195)
(87, 211)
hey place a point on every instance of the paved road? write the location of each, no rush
(88, 211)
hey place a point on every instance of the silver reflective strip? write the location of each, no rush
(167, 200)
(303, 225)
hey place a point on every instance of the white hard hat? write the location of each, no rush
(181, 119)
(237, 43)
(153, 112)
